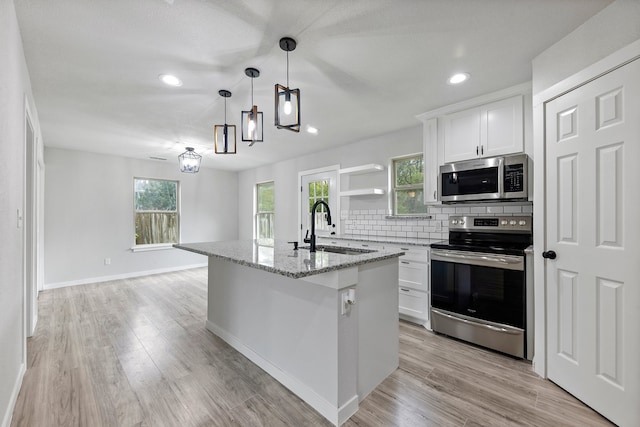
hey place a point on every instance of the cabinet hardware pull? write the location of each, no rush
(477, 150)
(405, 290)
(366, 246)
(405, 262)
(482, 150)
(404, 249)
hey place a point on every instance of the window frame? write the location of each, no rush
(156, 246)
(394, 188)
(258, 212)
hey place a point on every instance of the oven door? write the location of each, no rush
(484, 286)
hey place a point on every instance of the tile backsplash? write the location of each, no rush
(376, 222)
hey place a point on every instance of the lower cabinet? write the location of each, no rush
(413, 278)
(413, 286)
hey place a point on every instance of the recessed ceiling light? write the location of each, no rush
(312, 130)
(170, 80)
(456, 79)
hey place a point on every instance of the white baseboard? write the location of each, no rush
(331, 412)
(8, 414)
(121, 276)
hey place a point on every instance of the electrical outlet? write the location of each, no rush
(348, 299)
(107, 261)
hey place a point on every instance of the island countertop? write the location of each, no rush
(279, 257)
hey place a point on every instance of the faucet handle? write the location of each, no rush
(307, 239)
(295, 245)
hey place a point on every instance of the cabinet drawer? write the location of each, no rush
(413, 253)
(413, 275)
(413, 303)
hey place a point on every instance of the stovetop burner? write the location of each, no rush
(499, 235)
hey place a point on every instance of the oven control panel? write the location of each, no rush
(520, 224)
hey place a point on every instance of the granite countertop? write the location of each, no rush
(383, 239)
(280, 258)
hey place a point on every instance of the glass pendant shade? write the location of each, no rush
(224, 136)
(189, 161)
(252, 129)
(287, 108)
(224, 139)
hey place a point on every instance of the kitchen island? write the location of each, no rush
(323, 324)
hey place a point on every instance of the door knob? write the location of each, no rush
(549, 254)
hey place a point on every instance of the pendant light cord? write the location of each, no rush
(287, 69)
(252, 104)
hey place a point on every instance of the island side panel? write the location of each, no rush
(378, 324)
(293, 325)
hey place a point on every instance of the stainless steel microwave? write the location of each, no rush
(490, 179)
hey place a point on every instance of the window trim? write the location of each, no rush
(256, 212)
(156, 246)
(393, 188)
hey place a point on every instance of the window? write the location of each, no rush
(265, 210)
(156, 211)
(408, 192)
(319, 190)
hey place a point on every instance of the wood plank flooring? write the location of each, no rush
(135, 352)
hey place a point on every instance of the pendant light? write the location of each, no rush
(252, 119)
(224, 136)
(287, 115)
(189, 161)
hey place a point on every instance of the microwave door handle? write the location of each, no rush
(501, 177)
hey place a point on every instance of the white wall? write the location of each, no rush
(14, 87)
(285, 175)
(89, 215)
(614, 27)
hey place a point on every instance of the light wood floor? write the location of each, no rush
(136, 352)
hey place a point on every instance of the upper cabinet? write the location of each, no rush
(431, 160)
(488, 130)
(494, 124)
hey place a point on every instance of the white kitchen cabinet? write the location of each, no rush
(414, 291)
(431, 162)
(413, 285)
(488, 130)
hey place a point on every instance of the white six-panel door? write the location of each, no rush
(593, 225)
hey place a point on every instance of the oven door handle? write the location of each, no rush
(508, 262)
(504, 330)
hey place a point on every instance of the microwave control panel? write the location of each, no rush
(514, 178)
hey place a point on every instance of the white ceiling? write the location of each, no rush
(364, 67)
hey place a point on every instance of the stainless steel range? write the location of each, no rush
(478, 282)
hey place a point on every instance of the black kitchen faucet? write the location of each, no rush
(312, 239)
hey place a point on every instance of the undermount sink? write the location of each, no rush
(340, 250)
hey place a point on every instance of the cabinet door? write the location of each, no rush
(462, 135)
(413, 303)
(413, 275)
(431, 169)
(502, 127)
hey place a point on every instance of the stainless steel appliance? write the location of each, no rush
(490, 179)
(478, 282)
